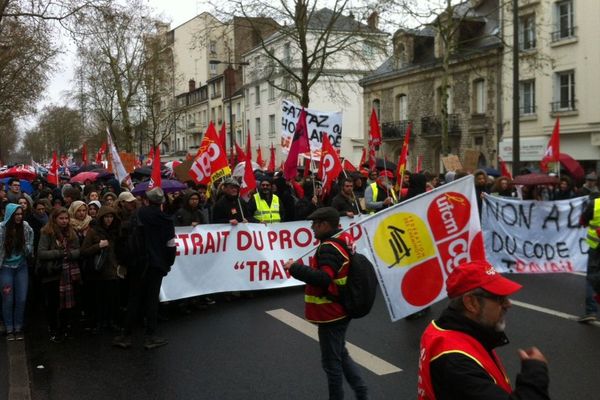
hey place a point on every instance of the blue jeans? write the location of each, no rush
(14, 283)
(337, 362)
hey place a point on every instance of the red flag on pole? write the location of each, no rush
(419, 164)
(223, 136)
(348, 166)
(259, 158)
(403, 156)
(363, 158)
(53, 171)
(84, 155)
(299, 145)
(155, 178)
(504, 169)
(210, 162)
(150, 157)
(249, 181)
(330, 166)
(271, 167)
(100, 153)
(241, 156)
(374, 138)
(553, 149)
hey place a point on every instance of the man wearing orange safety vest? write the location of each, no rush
(324, 278)
(457, 358)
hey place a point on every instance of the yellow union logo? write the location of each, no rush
(402, 240)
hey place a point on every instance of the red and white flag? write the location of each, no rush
(150, 157)
(249, 181)
(155, 178)
(53, 171)
(210, 162)
(330, 166)
(100, 153)
(552, 152)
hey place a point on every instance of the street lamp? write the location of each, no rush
(230, 86)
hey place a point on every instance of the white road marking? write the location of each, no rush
(579, 273)
(549, 311)
(360, 356)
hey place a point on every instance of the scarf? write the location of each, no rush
(70, 275)
(78, 225)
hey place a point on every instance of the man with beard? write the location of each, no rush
(457, 358)
(345, 202)
(380, 194)
(264, 206)
(229, 208)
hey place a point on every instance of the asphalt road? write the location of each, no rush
(235, 350)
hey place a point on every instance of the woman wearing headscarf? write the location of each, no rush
(16, 245)
(101, 274)
(58, 252)
(79, 219)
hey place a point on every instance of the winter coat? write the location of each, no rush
(51, 255)
(27, 230)
(91, 247)
(158, 230)
(186, 215)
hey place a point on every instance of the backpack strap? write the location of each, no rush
(342, 244)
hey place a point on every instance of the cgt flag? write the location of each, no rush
(100, 153)
(330, 166)
(53, 171)
(299, 145)
(552, 152)
(414, 245)
(155, 178)
(210, 163)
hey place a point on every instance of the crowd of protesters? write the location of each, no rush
(60, 244)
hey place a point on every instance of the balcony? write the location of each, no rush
(564, 106)
(394, 130)
(564, 33)
(215, 95)
(479, 122)
(432, 126)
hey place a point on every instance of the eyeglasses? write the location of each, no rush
(498, 299)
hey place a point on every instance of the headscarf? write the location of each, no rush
(78, 225)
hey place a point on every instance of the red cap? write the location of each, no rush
(386, 173)
(478, 274)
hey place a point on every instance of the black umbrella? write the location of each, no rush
(381, 164)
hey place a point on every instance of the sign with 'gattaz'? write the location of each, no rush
(318, 123)
(527, 236)
(416, 244)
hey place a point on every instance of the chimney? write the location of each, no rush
(373, 20)
(192, 85)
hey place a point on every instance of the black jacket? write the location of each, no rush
(158, 231)
(228, 208)
(344, 204)
(457, 377)
(186, 215)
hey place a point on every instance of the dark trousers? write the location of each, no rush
(143, 296)
(59, 321)
(337, 362)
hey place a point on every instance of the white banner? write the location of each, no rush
(527, 236)
(318, 123)
(222, 258)
(417, 243)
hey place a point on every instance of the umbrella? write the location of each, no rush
(241, 167)
(25, 185)
(535, 179)
(84, 176)
(26, 172)
(144, 172)
(390, 166)
(572, 166)
(167, 185)
(492, 171)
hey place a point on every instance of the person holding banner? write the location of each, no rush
(591, 219)
(457, 358)
(380, 194)
(230, 209)
(323, 278)
(264, 205)
(345, 201)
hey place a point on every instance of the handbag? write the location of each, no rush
(99, 260)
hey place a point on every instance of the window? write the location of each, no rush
(271, 91)
(565, 91)
(257, 129)
(212, 47)
(564, 20)
(449, 101)
(213, 69)
(402, 107)
(239, 111)
(257, 95)
(287, 53)
(479, 97)
(212, 114)
(377, 107)
(527, 97)
(367, 49)
(272, 125)
(527, 32)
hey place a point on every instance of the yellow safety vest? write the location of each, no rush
(375, 190)
(592, 236)
(264, 213)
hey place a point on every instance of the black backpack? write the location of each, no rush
(358, 294)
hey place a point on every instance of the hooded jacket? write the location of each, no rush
(27, 230)
(91, 245)
(186, 215)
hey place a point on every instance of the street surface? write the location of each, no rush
(258, 348)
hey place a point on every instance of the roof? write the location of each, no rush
(320, 19)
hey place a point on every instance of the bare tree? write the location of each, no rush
(317, 37)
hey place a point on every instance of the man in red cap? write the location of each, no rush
(457, 357)
(380, 194)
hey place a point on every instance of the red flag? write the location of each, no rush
(271, 167)
(150, 157)
(155, 178)
(241, 156)
(363, 158)
(553, 149)
(299, 145)
(403, 156)
(249, 181)
(259, 158)
(374, 138)
(419, 164)
(223, 136)
(100, 153)
(84, 155)
(53, 171)
(306, 167)
(330, 166)
(504, 169)
(210, 162)
(348, 166)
